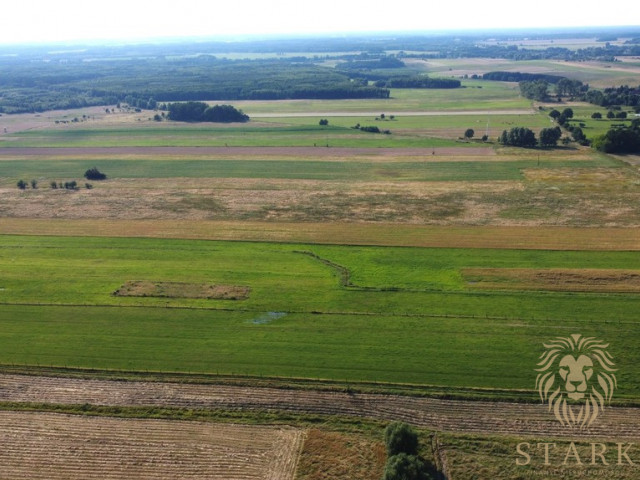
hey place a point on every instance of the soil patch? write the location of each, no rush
(563, 280)
(141, 288)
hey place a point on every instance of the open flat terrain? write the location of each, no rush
(52, 446)
(321, 281)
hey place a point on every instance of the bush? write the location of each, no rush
(324, 122)
(22, 185)
(94, 174)
(400, 438)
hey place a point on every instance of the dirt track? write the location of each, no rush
(521, 420)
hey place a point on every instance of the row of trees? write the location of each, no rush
(525, 137)
(419, 82)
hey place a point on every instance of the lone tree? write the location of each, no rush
(469, 133)
(22, 185)
(400, 438)
(403, 462)
(324, 122)
(94, 174)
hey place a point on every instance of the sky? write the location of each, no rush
(71, 21)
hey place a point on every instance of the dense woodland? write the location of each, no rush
(36, 78)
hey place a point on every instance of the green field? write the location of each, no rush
(423, 171)
(408, 317)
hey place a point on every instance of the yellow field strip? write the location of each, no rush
(546, 238)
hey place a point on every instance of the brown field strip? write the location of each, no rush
(54, 446)
(456, 416)
(561, 280)
(545, 238)
(141, 288)
(334, 455)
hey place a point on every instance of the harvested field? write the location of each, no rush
(481, 417)
(54, 446)
(340, 456)
(542, 238)
(560, 280)
(182, 290)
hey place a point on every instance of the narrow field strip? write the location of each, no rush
(383, 234)
(456, 416)
(55, 446)
(154, 152)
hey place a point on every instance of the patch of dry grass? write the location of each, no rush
(142, 288)
(338, 233)
(330, 455)
(564, 280)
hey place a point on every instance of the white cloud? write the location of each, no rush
(65, 20)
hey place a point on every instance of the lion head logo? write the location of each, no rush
(576, 379)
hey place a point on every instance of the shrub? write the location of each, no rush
(94, 174)
(400, 438)
(22, 185)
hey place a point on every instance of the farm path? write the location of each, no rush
(19, 152)
(523, 420)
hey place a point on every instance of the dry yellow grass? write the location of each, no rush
(53, 446)
(546, 238)
(564, 280)
(340, 456)
(182, 290)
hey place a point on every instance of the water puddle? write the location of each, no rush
(267, 318)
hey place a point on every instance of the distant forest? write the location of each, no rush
(34, 79)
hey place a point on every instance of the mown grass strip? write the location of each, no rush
(387, 234)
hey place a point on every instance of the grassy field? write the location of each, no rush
(407, 317)
(312, 169)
